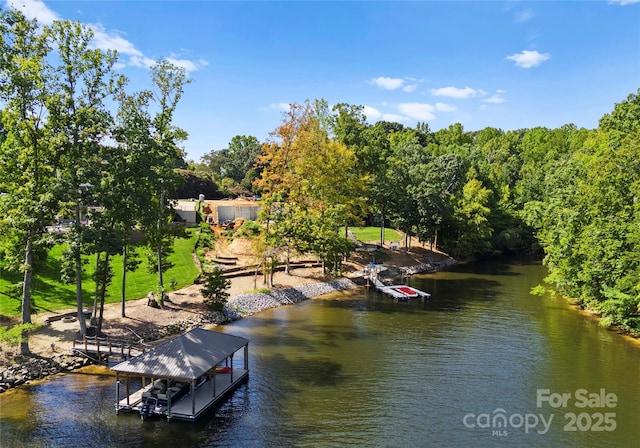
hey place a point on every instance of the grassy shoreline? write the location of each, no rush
(49, 293)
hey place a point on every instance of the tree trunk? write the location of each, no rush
(382, 226)
(272, 271)
(346, 237)
(124, 277)
(103, 291)
(255, 279)
(78, 256)
(160, 280)
(94, 315)
(26, 292)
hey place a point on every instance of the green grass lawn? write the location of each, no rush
(50, 294)
(373, 234)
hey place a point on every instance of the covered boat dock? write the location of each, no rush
(183, 377)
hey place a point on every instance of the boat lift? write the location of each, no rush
(397, 292)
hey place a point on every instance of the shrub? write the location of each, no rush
(215, 288)
(249, 229)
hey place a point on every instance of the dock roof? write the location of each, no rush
(186, 357)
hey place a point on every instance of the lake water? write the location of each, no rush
(481, 363)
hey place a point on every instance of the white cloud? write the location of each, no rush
(186, 64)
(444, 107)
(524, 15)
(528, 59)
(410, 88)
(34, 9)
(417, 111)
(394, 117)
(387, 83)
(113, 40)
(371, 113)
(141, 61)
(104, 40)
(494, 99)
(623, 2)
(454, 92)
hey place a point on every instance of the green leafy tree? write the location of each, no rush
(164, 156)
(312, 185)
(129, 168)
(588, 218)
(215, 289)
(28, 157)
(240, 161)
(84, 80)
(471, 213)
(437, 183)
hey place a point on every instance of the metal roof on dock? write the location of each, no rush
(186, 357)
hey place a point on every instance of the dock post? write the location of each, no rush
(117, 397)
(168, 402)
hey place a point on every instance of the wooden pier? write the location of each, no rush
(102, 348)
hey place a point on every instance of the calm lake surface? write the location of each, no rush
(482, 363)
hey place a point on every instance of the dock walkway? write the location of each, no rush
(106, 347)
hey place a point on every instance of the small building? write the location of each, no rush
(186, 210)
(184, 377)
(226, 211)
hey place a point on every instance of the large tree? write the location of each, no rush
(239, 164)
(164, 157)
(83, 81)
(29, 159)
(310, 184)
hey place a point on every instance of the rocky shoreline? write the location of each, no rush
(37, 367)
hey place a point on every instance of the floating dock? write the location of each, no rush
(397, 292)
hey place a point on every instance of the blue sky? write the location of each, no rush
(509, 65)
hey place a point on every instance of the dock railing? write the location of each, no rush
(107, 346)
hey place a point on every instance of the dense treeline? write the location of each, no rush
(571, 192)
